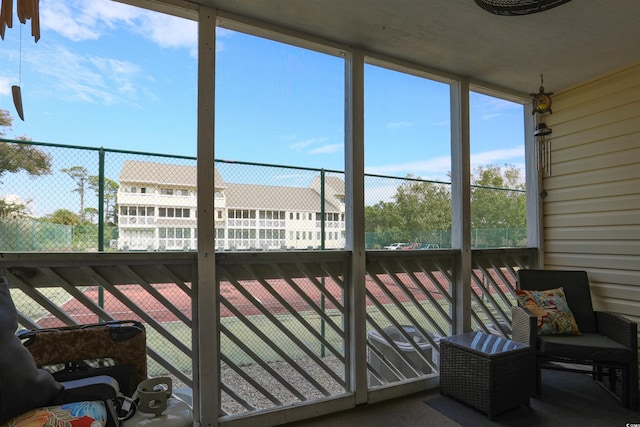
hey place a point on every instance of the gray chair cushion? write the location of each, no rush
(22, 385)
(586, 347)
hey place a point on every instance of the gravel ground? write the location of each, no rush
(256, 399)
(253, 398)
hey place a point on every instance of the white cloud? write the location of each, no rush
(325, 149)
(311, 146)
(497, 156)
(80, 20)
(107, 11)
(438, 167)
(383, 193)
(101, 79)
(307, 144)
(490, 108)
(490, 116)
(169, 31)
(58, 16)
(121, 72)
(93, 79)
(5, 86)
(222, 33)
(442, 123)
(303, 144)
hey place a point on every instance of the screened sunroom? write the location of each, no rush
(262, 277)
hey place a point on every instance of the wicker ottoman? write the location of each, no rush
(488, 372)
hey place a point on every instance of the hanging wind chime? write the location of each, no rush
(26, 9)
(542, 106)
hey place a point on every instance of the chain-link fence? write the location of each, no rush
(65, 198)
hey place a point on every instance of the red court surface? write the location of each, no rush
(297, 300)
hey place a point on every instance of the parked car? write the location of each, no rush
(430, 246)
(396, 246)
(410, 246)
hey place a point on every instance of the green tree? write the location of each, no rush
(382, 224)
(381, 216)
(418, 207)
(91, 214)
(110, 197)
(5, 121)
(423, 205)
(80, 175)
(21, 157)
(64, 216)
(498, 201)
(15, 157)
(13, 210)
(85, 235)
(421, 211)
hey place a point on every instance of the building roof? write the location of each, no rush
(335, 183)
(240, 196)
(247, 196)
(162, 174)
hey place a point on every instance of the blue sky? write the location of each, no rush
(111, 75)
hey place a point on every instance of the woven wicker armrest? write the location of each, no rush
(618, 328)
(523, 324)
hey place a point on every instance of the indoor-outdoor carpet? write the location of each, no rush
(567, 399)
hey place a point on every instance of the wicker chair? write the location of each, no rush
(608, 342)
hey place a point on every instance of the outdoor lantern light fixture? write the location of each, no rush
(518, 7)
(541, 100)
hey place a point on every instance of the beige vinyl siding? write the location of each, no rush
(592, 211)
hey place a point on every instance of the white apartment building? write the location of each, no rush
(157, 212)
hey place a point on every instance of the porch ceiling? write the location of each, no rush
(570, 44)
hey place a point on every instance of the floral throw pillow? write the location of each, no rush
(77, 414)
(551, 309)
